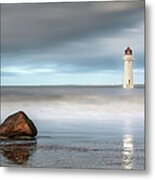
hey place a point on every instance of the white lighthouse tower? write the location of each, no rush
(128, 69)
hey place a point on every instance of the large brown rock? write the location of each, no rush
(17, 126)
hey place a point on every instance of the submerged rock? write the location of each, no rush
(18, 126)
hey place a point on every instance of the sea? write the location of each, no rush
(79, 127)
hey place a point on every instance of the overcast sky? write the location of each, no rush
(70, 43)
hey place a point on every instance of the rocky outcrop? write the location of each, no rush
(17, 126)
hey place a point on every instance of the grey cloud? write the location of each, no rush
(29, 27)
(66, 63)
(39, 40)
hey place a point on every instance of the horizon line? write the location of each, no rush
(71, 85)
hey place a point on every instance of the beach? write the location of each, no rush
(90, 127)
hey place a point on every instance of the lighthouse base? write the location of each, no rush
(128, 86)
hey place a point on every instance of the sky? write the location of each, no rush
(80, 43)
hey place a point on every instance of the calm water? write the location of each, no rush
(79, 127)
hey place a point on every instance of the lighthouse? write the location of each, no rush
(128, 68)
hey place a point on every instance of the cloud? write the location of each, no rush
(16, 71)
(138, 71)
(8, 74)
(28, 27)
(70, 38)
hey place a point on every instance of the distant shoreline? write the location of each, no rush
(69, 86)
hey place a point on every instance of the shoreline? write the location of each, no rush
(71, 86)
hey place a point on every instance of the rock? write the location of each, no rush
(16, 126)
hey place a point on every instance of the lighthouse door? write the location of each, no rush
(129, 83)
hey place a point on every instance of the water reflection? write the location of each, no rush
(18, 153)
(128, 152)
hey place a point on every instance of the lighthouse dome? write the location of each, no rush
(128, 51)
